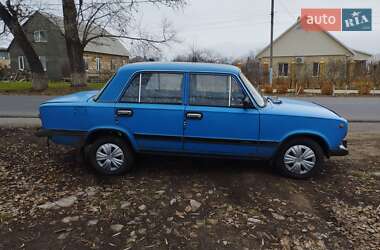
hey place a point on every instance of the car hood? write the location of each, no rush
(291, 107)
(74, 98)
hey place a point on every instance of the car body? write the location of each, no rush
(192, 109)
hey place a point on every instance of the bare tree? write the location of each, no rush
(336, 72)
(251, 68)
(12, 14)
(87, 21)
(202, 55)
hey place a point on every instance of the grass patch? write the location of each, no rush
(4, 217)
(54, 88)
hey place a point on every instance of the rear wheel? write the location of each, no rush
(111, 155)
(300, 158)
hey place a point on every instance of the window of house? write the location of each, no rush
(316, 69)
(43, 62)
(85, 64)
(283, 69)
(21, 63)
(164, 88)
(98, 64)
(4, 55)
(113, 65)
(40, 36)
(215, 90)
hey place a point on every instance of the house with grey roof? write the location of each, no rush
(299, 53)
(103, 56)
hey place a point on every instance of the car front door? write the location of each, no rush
(216, 119)
(151, 110)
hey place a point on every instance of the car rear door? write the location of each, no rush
(216, 121)
(151, 109)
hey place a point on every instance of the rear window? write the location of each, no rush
(160, 88)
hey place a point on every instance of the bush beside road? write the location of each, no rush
(58, 202)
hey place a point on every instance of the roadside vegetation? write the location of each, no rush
(54, 88)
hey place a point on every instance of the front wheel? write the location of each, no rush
(111, 156)
(300, 158)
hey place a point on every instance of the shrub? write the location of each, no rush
(364, 87)
(282, 86)
(268, 89)
(327, 88)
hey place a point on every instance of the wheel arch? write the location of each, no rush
(98, 132)
(313, 136)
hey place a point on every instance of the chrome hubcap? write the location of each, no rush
(110, 157)
(299, 159)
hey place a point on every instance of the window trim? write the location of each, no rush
(237, 80)
(140, 81)
(39, 36)
(23, 63)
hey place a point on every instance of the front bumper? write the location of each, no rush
(342, 151)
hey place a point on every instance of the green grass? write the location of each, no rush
(54, 88)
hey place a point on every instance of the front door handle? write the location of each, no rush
(124, 112)
(194, 115)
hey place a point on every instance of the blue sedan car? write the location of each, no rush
(192, 109)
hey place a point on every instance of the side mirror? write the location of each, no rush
(247, 102)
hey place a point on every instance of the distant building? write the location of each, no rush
(103, 56)
(297, 50)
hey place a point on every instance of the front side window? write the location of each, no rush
(215, 90)
(283, 69)
(160, 88)
(259, 99)
(40, 36)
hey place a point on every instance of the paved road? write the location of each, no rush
(353, 108)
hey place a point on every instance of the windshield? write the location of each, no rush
(260, 100)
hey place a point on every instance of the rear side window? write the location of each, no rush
(215, 90)
(164, 88)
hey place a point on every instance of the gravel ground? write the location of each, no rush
(56, 202)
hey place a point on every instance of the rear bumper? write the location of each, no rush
(64, 137)
(342, 151)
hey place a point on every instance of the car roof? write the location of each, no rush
(182, 67)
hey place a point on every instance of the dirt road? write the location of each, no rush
(57, 202)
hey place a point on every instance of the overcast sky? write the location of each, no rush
(235, 27)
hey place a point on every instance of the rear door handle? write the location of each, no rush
(124, 112)
(194, 115)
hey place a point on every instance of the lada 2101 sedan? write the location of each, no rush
(196, 109)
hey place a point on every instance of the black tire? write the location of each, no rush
(303, 141)
(128, 155)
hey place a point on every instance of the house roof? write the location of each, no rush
(104, 45)
(362, 55)
(342, 45)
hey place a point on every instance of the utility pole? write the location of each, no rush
(271, 44)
